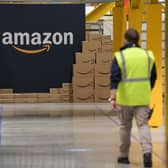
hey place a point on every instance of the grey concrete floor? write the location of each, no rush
(68, 136)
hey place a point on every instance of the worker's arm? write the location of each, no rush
(153, 76)
(115, 79)
(115, 74)
(112, 94)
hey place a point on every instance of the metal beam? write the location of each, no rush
(100, 11)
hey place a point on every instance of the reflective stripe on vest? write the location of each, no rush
(125, 78)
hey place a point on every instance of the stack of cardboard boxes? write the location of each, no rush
(102, 70)
(62, 95)
(56, 95)
(66, 93)
(91, 73)
(25, 98)
(6, 96)
(83, 77)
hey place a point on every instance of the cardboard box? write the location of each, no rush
(87, 35)
(66, 98)
(7, 96)
(108, 43)
(55, 90)
(25, 95)
(83, 70)
(79, 54)
(104, 54)
(104, 58)
(7, 100)
(84, 46)
(102, 81)
(102, 94)
(101, 99)
(66, 91)
(6, 91)
(43, 95)
(103, 70)
(86, 50)
(90, 54)
(19, 100)
(67, 101)
(95, 36)
(77, 99)
(106, 39)
(18, 95)
(30, 100)
(107, 47)
(83, 91)
(43, 100)
(84, 95)
(54, 99)
(87, 57)
(92, 45)
(30, 95)
(55, 95)
(83, 82)
(67, 85)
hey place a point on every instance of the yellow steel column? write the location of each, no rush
(119, 25)
(166, 84)
(135, 15)
(154, 43)
(135, 4)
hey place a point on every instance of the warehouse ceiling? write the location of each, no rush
(56, 1)
(65, 1)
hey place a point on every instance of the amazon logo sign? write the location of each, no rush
(38, 43)
(46, 39)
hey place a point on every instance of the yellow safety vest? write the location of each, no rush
(136, 65)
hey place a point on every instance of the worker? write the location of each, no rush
(133, 75)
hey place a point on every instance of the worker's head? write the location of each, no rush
(131, 36)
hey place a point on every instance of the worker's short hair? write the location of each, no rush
(132, 35)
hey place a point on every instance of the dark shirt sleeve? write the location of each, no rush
(115, 74)
(153, 76)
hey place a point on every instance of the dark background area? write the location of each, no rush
(39, 72)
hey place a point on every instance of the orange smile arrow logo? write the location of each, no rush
(45, 48)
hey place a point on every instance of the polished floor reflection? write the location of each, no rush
(68, 136)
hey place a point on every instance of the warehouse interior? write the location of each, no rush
(71, 125)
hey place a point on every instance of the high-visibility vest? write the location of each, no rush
(134, 88)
